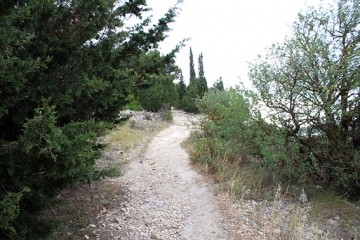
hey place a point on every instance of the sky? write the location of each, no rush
(229, 33)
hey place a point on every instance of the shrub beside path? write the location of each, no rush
(162, 196)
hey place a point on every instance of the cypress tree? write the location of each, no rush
(192, 67)
(188, 102)
(202, 83)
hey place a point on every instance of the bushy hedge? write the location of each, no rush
(66, 70)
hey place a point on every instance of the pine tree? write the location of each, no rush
(156, 73)
(202, 83)
(66, 70)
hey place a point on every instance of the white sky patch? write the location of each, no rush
(229, 33)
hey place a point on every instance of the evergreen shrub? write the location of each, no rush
(168, 115)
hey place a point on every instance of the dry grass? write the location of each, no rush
(134, 134)
(189, 143)
(327, 205)
(278, 209)
(80, 205)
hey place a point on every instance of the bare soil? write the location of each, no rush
(162, 196)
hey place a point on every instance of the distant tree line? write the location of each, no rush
(197, 87)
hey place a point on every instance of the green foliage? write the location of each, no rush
(134, 104)
(57, 157)
(66, 69)
(235, 142)
(235, 135)
(197, 86)
(218, 85)
(181, 90)
(9, 211)
(168, 115)
(230, 121)
(310, 84)
(192, 67)
(163, 91)
(308, 87)
(189, 99)
(192, 91)
(161, 88)
(201, 81)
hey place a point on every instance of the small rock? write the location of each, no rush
(331, 222)
(253, 224)
(154, 236)
(92, 225)
(303, 197)
(319, 232)
(277, 231)
(86, 237)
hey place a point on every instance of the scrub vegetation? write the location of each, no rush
(300, 125)
(67, 68)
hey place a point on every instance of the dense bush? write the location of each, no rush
(66, 68)
(134, 104)
(308, 93)
(237, 128)
(310, 84)
(188, 103)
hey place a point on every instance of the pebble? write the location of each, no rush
(331, 222)
(319, 232)
(154, 236)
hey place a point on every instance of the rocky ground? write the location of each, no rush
(161, 196)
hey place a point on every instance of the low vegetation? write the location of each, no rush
(299, 129)
(168, 115)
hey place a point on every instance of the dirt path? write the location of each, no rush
(165, 197)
